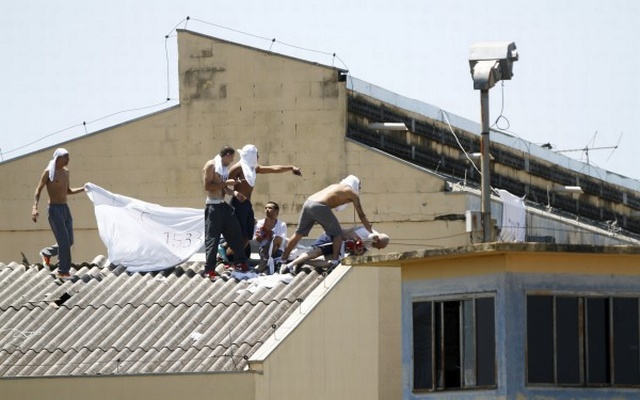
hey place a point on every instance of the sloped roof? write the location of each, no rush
(107, 321)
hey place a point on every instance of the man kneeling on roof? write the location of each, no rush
(355, 242)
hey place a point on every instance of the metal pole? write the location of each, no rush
(487, 231)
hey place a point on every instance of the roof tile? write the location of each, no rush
(107, 321)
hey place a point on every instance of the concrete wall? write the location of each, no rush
(346, 347)
(237, 386)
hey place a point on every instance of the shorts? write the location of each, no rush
(324, 243)
(313, 212)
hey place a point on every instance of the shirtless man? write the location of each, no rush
(218, 215)
(244, 172)
(318, 208)
(56, 179)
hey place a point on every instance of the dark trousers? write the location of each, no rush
(219, 219)
(246, 217)
(62, 226)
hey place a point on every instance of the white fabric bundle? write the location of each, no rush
(219, 168)
(51, 167)
(367, 238)
(280, 229)
(142, 236)
(248, 162)
(514, 218)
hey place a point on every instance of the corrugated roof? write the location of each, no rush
(107, 321)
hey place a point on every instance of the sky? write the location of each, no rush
(72, 67)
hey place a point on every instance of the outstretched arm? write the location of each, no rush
(276, 169)
(71, 190)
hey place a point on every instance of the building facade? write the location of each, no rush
(520, 321)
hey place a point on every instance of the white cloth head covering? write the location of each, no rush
(353, 182)
(220, 169)
(52, 164)
(248, 162)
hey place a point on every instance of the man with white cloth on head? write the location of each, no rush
(56, 178)
(318, 208)
(244, 173)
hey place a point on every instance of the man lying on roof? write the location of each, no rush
(318, 209)
(356, 241)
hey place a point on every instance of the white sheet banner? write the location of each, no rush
(514, 218)
(143, 236)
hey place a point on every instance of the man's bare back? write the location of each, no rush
(334, 195)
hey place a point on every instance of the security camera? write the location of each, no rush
(491, 62)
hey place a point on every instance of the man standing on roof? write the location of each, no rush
(56, 179)
(318, 208)
(218, 214)
(244, 172)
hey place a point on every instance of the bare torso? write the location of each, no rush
(210, 176)
(236, 173)
(57, 189)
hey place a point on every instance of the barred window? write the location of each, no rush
(582, 341)
(454, 344)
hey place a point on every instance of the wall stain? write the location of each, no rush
(201, 83)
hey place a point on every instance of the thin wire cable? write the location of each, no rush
(343, 63)
(587, 165)
(272, 41)
(129, 110)
(185, 20)
(446, 116)
(42, 138)
(231, 29)
(166, 56)
(498, 128)
(84, 125)
(615, 147)
(501, 115)
(527, 145)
